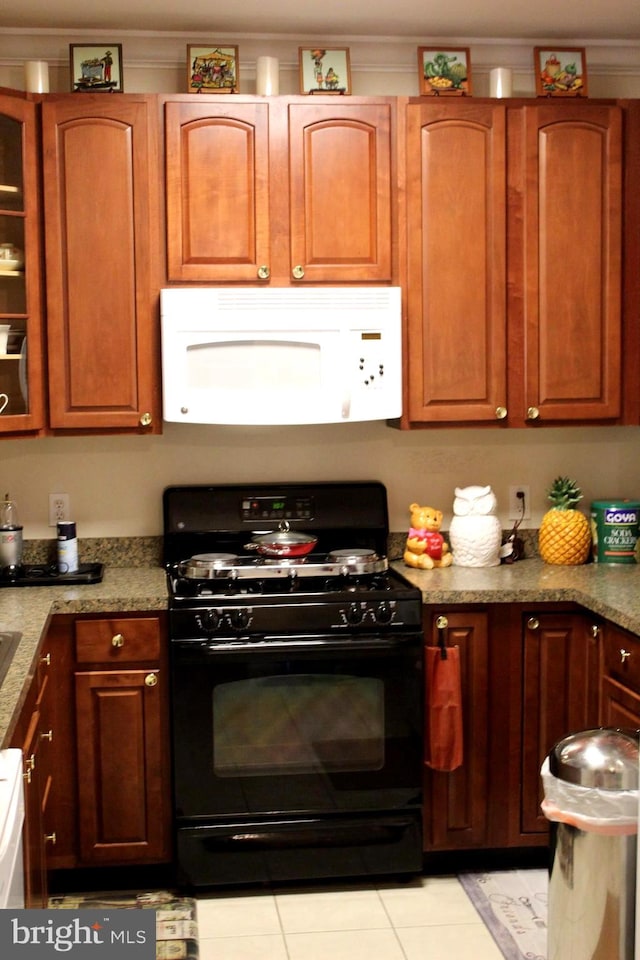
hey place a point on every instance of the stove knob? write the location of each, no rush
(240, 618)
(384, 612)
(354, 613)
(208, 621)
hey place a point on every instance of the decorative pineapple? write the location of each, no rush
(565, 532)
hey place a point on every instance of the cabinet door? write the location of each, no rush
(217, 189)
(560, 696)
(100, 183)
(456, 289)
(455, 804)
(340, 191)
(121, 749)
(621, 678)
(21, 369)
(568, 163)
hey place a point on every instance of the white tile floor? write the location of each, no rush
(430, 918)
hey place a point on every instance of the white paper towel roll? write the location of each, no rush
(267, 76)
(36, 76)
(501, 82)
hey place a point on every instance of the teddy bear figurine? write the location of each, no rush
(426, 548)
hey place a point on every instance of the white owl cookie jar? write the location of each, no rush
(475, 533)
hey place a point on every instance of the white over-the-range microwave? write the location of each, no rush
(281, 355)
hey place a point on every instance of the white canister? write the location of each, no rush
(501, 82)
(267, 76)
(36, 76)
(67, 547)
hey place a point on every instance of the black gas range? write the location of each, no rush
(219, 589)
(296, 686)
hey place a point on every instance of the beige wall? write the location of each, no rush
(115, 484)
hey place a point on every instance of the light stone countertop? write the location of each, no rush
(612, 591)
(27, 610)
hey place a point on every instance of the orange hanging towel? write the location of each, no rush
(443, 709)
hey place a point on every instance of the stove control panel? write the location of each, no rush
(254, 509)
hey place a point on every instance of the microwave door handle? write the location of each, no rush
(346, 405)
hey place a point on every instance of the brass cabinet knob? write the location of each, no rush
(146, 420)
(50, 838)
(533, 413)
(501, 413)
(46, 660)
(47, 736)
(298, 272)
(595, 631)
(151, 679)
(117, 641)
(533, 623)
(263, 272)
(442, 623)
(624, 655)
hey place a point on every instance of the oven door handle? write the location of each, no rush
(298, 645)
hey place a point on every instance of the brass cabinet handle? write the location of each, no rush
(501, 413)
(263, 272)
(298, 272)
(595, 630)
(624, 655)
(50, 838)
(47, 736)
(117, 641)
(146, 420)
(533, 413)
(46, 660)
(533, 623)
(151, 679)
(29, 767)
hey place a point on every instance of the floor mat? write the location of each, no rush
(513, 906)
(176, 917)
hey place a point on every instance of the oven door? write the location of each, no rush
(286, 726)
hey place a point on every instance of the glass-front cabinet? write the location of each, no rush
(21, 348)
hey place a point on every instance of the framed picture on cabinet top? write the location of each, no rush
(444, 71)
(96, 68)
(212, 69)
(560, 72)
(325, 71)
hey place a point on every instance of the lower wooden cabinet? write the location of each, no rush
(112, 798)
(34, 735)
(528, 677)
(455, 806)
(621, 678)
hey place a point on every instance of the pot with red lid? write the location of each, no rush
(283, 543)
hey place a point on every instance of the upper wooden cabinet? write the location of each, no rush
(514, 238)
(21, 368)
(456, 276)
(287, 190)
(101, 201)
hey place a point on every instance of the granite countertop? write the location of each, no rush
(27, 610)
(612, 591)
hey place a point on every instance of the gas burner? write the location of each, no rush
(203, 566)
(280, 561)
(355, 555)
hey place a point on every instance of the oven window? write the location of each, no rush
(263, 365)
(305, 723)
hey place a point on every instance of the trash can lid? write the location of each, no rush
(604, 758)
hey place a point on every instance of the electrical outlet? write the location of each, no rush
(519, 502)
(59, 508)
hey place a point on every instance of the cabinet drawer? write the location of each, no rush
(119, 641)
(622, 657)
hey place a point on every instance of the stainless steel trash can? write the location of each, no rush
(591, 798)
